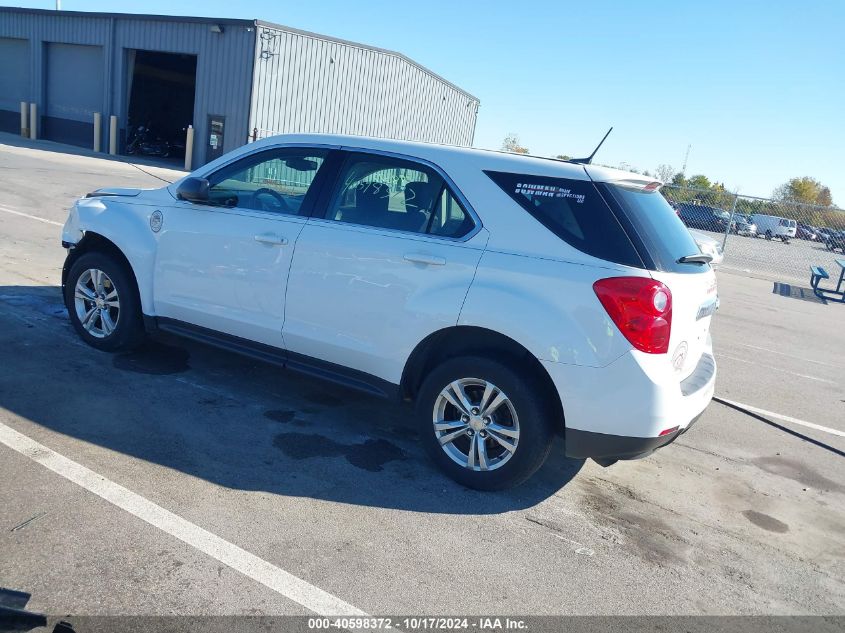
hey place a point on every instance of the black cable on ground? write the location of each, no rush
(806, 438)
(169, 182)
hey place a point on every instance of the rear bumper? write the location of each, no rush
(619, 411)
(601, 446)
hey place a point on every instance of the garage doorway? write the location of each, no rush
(161, 89)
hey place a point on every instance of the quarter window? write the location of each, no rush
(573, 210)
(449, 218)
(275, 181)
(396, 194)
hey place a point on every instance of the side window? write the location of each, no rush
(396, 194)
(449, 218)
(275, 181)
(574, 211)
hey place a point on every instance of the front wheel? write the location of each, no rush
(103, 304)
(485, 425)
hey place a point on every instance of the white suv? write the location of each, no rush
(509, 297)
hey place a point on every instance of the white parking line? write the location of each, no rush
(773, 368)
(31, 217)
(294, 588)
(785, 418)
(793, 356)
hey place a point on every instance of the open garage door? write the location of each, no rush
(74, 92)
(161, 102)
(14, 82)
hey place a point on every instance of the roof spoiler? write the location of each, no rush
(640, 185)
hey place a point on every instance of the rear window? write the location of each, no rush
(573, 210)
(663, 236)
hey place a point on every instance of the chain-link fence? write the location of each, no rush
(779, 240)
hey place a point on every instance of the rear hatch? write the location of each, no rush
(669, 252)
(623, 218)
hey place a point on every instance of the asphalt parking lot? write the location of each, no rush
(183, 480)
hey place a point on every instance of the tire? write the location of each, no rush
(768, 235)
(121, 326)
(524, 410)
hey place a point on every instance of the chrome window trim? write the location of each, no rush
(340, 224)
(264, 148)
(453, 188)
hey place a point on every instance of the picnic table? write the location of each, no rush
(817, 274)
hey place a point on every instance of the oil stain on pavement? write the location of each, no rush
(371, 455)
(799, 472)
(284, 417)
(153, 358)
(766, 522)
(280, 416)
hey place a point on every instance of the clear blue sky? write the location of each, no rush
(756, 87)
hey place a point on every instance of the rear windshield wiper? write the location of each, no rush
(698, 258)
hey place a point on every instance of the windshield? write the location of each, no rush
(662, 232)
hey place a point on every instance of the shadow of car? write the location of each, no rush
(230, 420)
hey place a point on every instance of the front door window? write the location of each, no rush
(275, 181)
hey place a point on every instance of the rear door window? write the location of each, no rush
(397, 194)
(573, 210)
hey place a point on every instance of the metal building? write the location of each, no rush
(232, 80)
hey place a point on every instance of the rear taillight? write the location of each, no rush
(641, 308)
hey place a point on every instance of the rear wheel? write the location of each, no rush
(768, 235)
(102, 301)
(484, 424)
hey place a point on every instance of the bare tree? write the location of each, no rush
(512, 144)
(664, 172)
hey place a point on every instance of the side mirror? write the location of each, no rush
(193, 190)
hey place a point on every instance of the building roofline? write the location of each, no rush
(130, 16)
(238, 22)
(386, 51)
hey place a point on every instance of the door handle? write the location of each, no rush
(271, 238)
(420, 258)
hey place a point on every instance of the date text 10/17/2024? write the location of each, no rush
(418, 623)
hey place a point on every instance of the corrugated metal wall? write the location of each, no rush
(308, 83)
(224, 60)
(256, 75)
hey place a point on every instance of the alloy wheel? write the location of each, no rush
(476, 424)
(97, 303)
